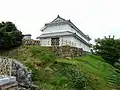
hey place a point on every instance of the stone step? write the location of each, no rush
(8, 83)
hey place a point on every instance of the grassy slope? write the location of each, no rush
(97, 68)
(102, 75)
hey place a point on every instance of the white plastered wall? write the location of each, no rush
(45, 42)
(57, 28)
(80, 44)
(66, 40)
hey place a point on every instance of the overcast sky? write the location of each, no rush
(97, 18)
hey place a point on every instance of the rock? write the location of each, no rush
(68, 58)
(22, 74)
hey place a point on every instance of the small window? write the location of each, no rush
(54, 41)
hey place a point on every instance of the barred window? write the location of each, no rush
(54, 41)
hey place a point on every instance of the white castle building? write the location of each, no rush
(64, 32)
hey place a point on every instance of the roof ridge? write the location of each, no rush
(59, 18)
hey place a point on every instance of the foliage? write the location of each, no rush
(108, 48)
(10, 36)
(74, 78)
(62, 74)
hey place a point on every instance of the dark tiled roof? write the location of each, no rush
(27, 35)
(58, 19)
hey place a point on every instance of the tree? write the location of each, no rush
(10, 36)
(108, 48)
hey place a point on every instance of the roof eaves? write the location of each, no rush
(42, 29)
(73, 26)
(27, 35)
(75, 35)
(68, 33)
(54, 36)
(58, 32)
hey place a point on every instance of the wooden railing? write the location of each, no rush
(31, 42)
(5, 67)
(48, 43)
(55, 43)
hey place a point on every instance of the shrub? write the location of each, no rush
(108, 48)
(10, 36)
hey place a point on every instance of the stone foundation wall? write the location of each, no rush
(8, 83)
(67, 51)
(62, 51)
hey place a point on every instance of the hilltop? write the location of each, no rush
(50, 72)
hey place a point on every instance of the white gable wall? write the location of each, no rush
(57, 28)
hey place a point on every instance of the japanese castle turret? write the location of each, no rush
(63, 32)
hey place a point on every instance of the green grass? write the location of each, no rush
(55, 73)
(98, 69)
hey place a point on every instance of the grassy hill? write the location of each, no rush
(50, 72)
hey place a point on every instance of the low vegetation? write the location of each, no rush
(50, 72)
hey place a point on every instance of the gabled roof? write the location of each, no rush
(59, 20)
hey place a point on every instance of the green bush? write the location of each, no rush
(10, 36)
(108, 49)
